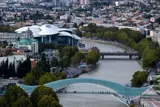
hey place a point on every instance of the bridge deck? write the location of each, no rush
(120, 53)
(93, 92)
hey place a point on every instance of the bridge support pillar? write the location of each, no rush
(130, 56)
(102, 56)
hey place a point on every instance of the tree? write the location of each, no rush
(24, 68)
(67, 51)
(63, 75)
(2, 68)
(43, 64)
(65, 62)
(79, 33)
(135, 35)
(41, 91)
(32, 78)
(11, 70)
(60, 75)
(158, 20)
(37, 72)
(3, 102)
(13, 93)
(19, 70)
(46, 78)
(75, 25)
(54, 62)
(22, 102)
(8, 52)
(132, 105)
(92, 57)
(76, 59)
(48, 101)
(139, 78)
(29, 79)
(6, 72)
(65, 54)
(150, 57)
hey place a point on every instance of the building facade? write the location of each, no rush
(28, 44)
(52, 34)
(12, 37)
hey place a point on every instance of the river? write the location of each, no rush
(118, 70)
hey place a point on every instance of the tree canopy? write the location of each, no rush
(139, 78)
(41, 97)
(48, 101)
(92, 57)
(46, 78)
(41, 92)
(76, 59)
(12, 96)
(148, 49)
(22, 102)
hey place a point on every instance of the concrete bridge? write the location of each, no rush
(130, 54)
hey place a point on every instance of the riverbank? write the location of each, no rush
(108, 43)
(118, 71)
(113, 44)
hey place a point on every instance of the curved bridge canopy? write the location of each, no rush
(128, 92)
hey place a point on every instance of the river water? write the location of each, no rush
(119, 70)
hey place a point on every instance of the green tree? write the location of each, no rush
(24, 67)
(139, 78)
(29, 79)
(65, 62)
(150, 57)
(132, 105)
(43, 64)
(41, 91)
(67, 51)
(3, 102)
(76, 59)
(48, 101)
(46, 78)
(32, 78)
(142, 45)
(37, 72)
(92, 57)
(13, 93)
(63, 75)
(54, 62)
(60, 75)
(22, 102)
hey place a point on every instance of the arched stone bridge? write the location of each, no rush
(123, 93)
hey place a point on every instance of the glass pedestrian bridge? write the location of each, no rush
(123, 93)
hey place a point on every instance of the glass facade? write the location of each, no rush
(65, 40)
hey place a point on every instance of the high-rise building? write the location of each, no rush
(58, 3)
(84, 2)
(26, 1)
(75, 1)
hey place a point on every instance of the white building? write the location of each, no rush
(48, 33)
